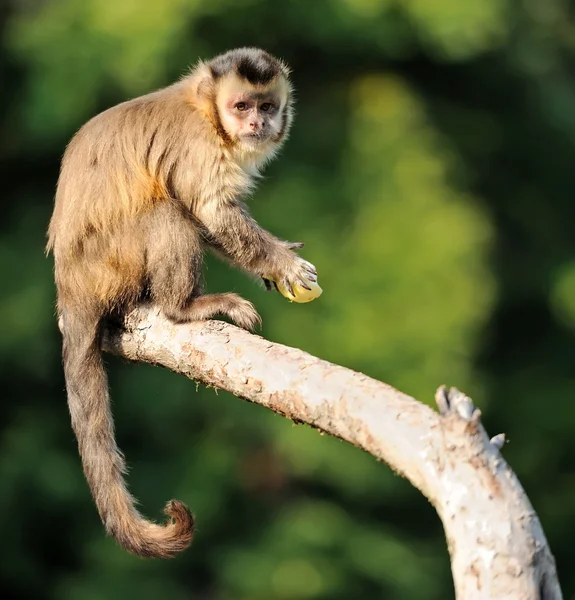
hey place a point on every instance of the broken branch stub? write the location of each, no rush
(495, 540)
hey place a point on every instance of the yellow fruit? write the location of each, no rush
(300, 294)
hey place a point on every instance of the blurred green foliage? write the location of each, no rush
(429, 173)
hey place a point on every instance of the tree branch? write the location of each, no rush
(497, 546)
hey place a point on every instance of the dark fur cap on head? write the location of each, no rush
(252, 64)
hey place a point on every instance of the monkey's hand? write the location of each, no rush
(297, 281)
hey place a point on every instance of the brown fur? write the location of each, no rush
(144, 187)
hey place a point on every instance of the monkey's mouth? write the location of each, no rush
(255, 137)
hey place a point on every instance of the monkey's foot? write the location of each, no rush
(240, 311)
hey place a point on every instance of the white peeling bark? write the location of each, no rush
(495, 540)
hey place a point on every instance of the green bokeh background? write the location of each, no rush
(430, 173)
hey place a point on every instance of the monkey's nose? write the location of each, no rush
(257, 124)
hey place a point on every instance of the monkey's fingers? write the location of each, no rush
(300, 290)
(269, 282)
(288, 286)
(308, 271)
(298, 287)
(309, 267)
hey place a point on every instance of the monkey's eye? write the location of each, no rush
(241, 106)
(266, 106)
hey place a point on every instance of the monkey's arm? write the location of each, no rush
(231, 230)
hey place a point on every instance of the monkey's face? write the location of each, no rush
(253, 116)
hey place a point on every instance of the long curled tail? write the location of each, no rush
(104, 466)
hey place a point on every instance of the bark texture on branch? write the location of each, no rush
(495, 540)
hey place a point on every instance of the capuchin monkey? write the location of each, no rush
(144, 188)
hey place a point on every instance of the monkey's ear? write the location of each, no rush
(203, 84)
(205, 95)
(205, 89)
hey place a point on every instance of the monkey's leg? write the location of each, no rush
(174, 263)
